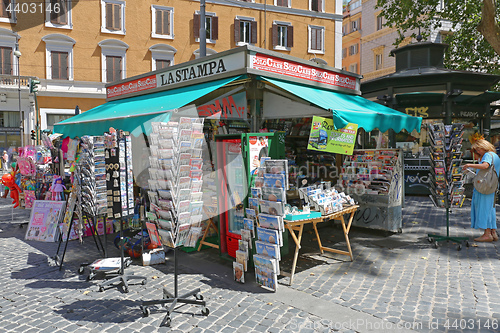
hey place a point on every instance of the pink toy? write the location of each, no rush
(57, 188)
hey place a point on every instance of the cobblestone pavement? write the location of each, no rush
(395, 283)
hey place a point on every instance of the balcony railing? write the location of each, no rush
(11, 80)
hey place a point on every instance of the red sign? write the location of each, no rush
(141, 84)
(229, 107)
(301, 71)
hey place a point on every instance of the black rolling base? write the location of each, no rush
(122, 279)
(168, 298)
(439, 238)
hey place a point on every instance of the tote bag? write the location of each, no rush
(486, 180)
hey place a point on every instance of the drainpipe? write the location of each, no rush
(203, 30)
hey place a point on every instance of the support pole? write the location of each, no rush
(203, 30)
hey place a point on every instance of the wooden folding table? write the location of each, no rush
(298, 225)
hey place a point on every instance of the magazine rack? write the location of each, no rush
(174, 299)
(176, 199)
(446, 175)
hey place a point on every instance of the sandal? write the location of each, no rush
(494, 235)
(484, 238)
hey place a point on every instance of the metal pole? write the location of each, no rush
(21, 126)
(203, 30)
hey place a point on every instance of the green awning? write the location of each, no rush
(135, 114)
(352, 109)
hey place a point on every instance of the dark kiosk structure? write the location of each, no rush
(421, 86)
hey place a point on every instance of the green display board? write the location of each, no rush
(324, 137)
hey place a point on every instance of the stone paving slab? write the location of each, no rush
(395, 283)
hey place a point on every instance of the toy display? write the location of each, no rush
(57, 189)
(8, 180)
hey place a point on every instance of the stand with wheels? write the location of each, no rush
(446, 175)
(122, 277)
(174, 299)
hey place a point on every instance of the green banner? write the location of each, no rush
(324, 137)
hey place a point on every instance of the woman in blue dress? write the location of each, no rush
(483, 212)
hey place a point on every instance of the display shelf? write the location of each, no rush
(446, 175)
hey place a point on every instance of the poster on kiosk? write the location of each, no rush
(237, 161)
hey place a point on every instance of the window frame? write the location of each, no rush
(58, 43)
(104, 29)
(288, 38)
(377, 55)
(379, 22)
(310, 28)
(154, 34)
(355, 25)
(162, 52)
(9, 39)
(114, 48)
(50, 24)
(321, 6)
(214, 27)
(13, 18)
(356, 69)
(252, 25)
(11, 59)
(289, 3)
(353, 49)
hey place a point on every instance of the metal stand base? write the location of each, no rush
(432, 238)
(122, 277)
(174, 299)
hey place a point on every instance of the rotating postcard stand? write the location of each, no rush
(120, 198)
(176, 199)
(446, 175)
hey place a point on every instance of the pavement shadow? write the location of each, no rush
(101, 311)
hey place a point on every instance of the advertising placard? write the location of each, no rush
(45, 216)
(324, 137)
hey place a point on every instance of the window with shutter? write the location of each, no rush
(59, 11)
(162, 63)
(215, 28)
(253, 33)
(162, 19)
(6, 60)
(316, 39)
(3, 9)
(196, 25)
(162, 22)
(59, 65)
(113, 68)
(317, 5)
(282, 3)
(113, 16)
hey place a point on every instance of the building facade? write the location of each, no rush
(75, 47)
(351, 37)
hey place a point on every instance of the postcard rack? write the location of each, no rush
(447, 188)
(176, 199)
(119, 182)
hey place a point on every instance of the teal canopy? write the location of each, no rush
(352, 109)
(135, 114)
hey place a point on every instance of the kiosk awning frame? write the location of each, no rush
(351, 108)
(135, 114)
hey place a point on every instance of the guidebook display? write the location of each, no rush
(175, 182)
(93, 173)
(325, 199)
(446, 160)
(263, 224)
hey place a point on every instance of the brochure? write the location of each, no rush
(238, 270)
(271, 208)
(269, 235)
(242, 259)
(268, 249)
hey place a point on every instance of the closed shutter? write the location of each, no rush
(59, 13)
(289, 38)
(215, 28)
(236, 31)
(109, 16)
(253, 37)
(196, 25)
(6, 60)
(117, 17)
(159, 18)
(275, 35)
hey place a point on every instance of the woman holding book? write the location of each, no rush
(483, 212)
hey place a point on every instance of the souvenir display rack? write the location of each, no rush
(447, 188)
(120, 199)
(176, 199)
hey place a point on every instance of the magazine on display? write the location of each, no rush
(271, 221)
(242, 258)
(269, 235)
(271, 207)
(268, 249)
(273, 194)
(277, 167)
(274, 180)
